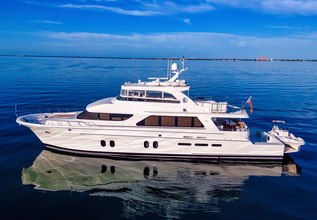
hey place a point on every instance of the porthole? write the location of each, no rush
(185, 100)
(146, 144)
(103, 143)
(112, 144)
(155, 144)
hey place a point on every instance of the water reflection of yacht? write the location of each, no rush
(144, 186)
(155, 119)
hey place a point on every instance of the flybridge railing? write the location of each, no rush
(232, 101)
(220, 103)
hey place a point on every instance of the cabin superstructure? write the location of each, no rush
(164, 102)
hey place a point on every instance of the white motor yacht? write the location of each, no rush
(154, 120)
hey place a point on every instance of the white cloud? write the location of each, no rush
(144, 8)
(283, 27)
(190, 44)
(203, 7)
(112, 9)
(303, 7)
(187, 21)
(196, 44)
(168, 7)
(47, 22)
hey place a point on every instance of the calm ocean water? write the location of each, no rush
(39, 184)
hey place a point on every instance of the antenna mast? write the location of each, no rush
(175, 70)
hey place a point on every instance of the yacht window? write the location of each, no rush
(155, 144)
(119, 117)
(146, 144)
(123, 92)
(168, 96)
(103, 116)
(171, 121)
(112, 144)
(184, 122)
(103, 143)
(136, 93)
(152, 121)
(146, 96)
(88, 115)
(154, 94)
(168, 121)
(197, 123)
(229, 124)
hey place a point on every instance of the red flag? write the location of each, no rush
(249, 102)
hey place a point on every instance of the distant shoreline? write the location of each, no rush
(162, 58)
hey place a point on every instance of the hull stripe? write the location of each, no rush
(120, 155)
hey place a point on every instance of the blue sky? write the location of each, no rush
(160, 28)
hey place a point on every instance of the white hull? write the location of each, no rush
(129, 143)
(295, 144)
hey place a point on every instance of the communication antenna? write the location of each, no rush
(175, 71)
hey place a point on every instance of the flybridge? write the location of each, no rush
(167, 89)
(165, 81)
(157, 82)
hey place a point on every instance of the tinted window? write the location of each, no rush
(168, 96)
(170, 121)
(88, 115)
(184, 121)
(152, 121)
(154, 94)
(136, 93)
(103, 116)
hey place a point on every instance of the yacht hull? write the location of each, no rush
(154, 144)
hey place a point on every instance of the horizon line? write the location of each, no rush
(259, 59)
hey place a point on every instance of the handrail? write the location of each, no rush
(232, 103)
(19, 112)
(41, 118)
(69, 123)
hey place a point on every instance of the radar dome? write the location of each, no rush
(174, 67)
